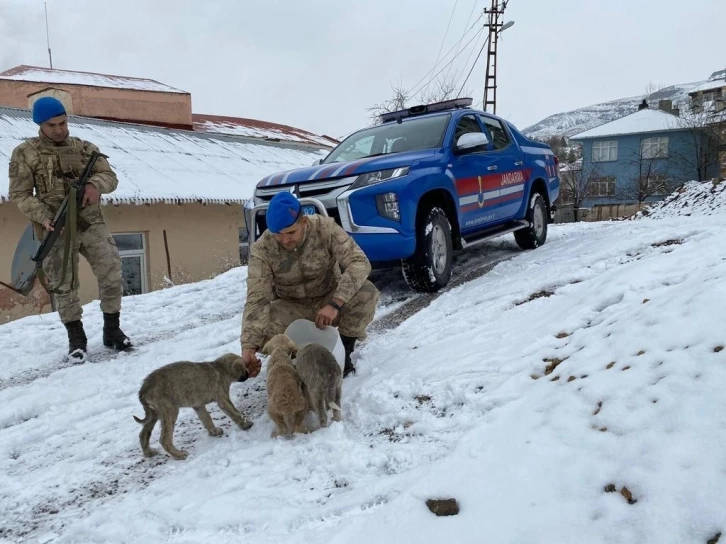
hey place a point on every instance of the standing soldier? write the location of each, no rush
(294, 272)
(41, 170)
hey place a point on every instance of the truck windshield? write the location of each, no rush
(410, 135)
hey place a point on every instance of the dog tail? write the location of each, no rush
(334, 406)
(147, 414)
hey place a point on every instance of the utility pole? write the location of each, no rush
(47, 35)
(495, 25)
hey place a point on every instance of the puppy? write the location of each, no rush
(287, 402)
(323, 380)
(187, 384)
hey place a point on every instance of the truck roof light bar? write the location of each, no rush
(452, 104)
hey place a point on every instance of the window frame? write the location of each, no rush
(610, 145)
(133, 253)
(654, 143)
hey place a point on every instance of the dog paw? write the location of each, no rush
(245, 425)
(181, 455)
(150, 452)
(216, 432)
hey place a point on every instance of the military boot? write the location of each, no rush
(77, 342)
(113, 336)
(349, 345)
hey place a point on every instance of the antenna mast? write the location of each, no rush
(47, 35)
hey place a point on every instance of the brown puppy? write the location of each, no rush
(323, 379)
(187, 384)
(287, 402)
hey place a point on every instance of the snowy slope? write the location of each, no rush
(692, 199)
(582, 119)
(593, 362)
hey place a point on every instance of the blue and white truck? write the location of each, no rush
(423, 183)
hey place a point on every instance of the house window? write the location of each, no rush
(132, 249)
(601, 186)
(244, 246)
(605, 151)
(655, 148)
(657, 184)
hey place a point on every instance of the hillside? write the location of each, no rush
(581, 119)
(572, 394)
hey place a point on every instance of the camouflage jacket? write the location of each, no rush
(41, 171)
(311, 271)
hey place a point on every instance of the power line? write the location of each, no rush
(415, 86)
(475, 37)
(466, 26)
(472, 66)
(441, 47)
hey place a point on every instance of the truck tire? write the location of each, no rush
(429, 269)
(535, 235)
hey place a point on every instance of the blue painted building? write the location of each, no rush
(641, 157)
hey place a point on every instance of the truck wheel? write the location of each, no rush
(535, 235)
(429, 269)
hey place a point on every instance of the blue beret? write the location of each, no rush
(283, 211)
(46, 108)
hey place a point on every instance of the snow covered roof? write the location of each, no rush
(645, 120)
(254, 128)
(709, 86)
(38, 74)
(167, 165)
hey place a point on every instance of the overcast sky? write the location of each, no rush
(319, 64)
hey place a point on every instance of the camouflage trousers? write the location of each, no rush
(99, 248)
(352, 320)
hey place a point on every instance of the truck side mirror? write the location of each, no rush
(471, 142)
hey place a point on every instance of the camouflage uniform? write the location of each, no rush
(40, 171)
(283, 285)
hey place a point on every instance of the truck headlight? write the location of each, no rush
(387, 205)
(371, 178)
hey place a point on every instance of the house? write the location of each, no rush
(641, 157)
(708, 103)
(177, 213)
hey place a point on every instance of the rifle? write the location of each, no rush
(59, 221)
(23, 274)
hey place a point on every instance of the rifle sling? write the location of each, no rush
(70, 238)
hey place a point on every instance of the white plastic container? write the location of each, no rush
(304, 332)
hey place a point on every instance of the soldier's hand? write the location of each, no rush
(326, 316)
(48, 225)
(91, 195)
(249, 356)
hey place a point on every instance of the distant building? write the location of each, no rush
(642, 156)
(183, 178)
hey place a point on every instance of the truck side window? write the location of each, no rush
(465, 125)
(500, 139)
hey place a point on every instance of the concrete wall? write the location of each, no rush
(203, 241)
(120, 104)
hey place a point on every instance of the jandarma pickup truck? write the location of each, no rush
(424, 182)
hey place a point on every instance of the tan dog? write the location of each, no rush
(287, 402)
(323, 380)
(187, 384)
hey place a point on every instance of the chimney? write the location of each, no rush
(643, 105)
(665, 105)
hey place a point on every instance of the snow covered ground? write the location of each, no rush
(533, 396)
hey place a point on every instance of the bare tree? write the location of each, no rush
(652, 87)
(396, 102)
(444, 88)
(578, 181)
(704, 136)
(649, 179)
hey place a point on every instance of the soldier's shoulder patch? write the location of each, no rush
(13, 170)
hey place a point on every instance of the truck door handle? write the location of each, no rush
(519, 163)
(492, 167)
